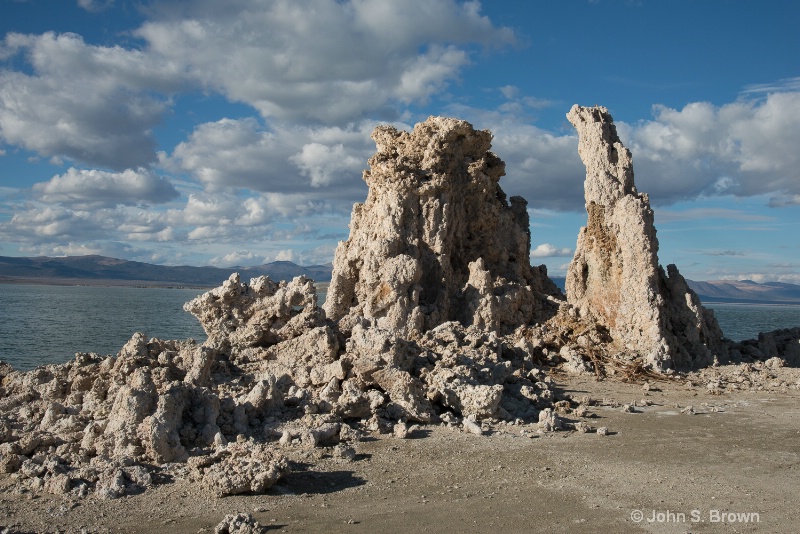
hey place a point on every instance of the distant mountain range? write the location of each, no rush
(101, 270)
(746, 291)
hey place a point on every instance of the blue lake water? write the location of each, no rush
(745, 321)
(42, 324)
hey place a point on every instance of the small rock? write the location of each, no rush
(472, 427)
(581, 427)
(400, 430)
(238, 524)
(449, 418)
(344, 452)
(549, 421)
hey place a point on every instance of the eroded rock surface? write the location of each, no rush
(235, 411)
(614, 278)
(436, 239)
(258, 314)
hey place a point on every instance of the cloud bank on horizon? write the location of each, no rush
(236, 133)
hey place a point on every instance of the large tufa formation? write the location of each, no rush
(615, 279)
(436, 239)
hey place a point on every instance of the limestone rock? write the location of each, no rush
(241, 523)
(436, 239)
(240, 468)
(260, 313)
(472, 427)
(778, 343)
(614, 278)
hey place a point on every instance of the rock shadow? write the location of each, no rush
(304, 480)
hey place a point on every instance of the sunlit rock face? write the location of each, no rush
(614, 278)
(436, 239)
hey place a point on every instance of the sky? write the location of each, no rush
(199, 132)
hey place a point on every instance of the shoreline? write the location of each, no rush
(320, 284)
(712, 303)
(109, 282)
(99, 282)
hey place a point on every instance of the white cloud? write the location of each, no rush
(84, 248)
(50, 222)
(95, 188)
(286, 255)
(92, 104)
(744, 148)
(322, 162)
(239, 258)
(324, 60)
(241, 154)
(546, 250)
(509, 91)
(230, 153)
(429, 73)
(784, 85)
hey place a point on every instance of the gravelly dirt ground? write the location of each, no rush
(737, 454)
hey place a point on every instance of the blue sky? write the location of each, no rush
(235, 133)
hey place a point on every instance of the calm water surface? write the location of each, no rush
(745, 321)
(49, 324)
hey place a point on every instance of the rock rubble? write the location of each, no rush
(434, 316)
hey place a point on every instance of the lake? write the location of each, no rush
(41, 324)
(745, 321)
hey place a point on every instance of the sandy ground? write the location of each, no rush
(659, 470)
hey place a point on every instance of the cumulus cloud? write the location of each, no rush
(546, 250)
(230, 153)
(327, 60)
(90, 248)
(238, 258)
(240, 153)
(40, 223)
(745, 148)
(87, 103)
(319, 75)
(322, 163)
(95, 188)
(286, 255)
